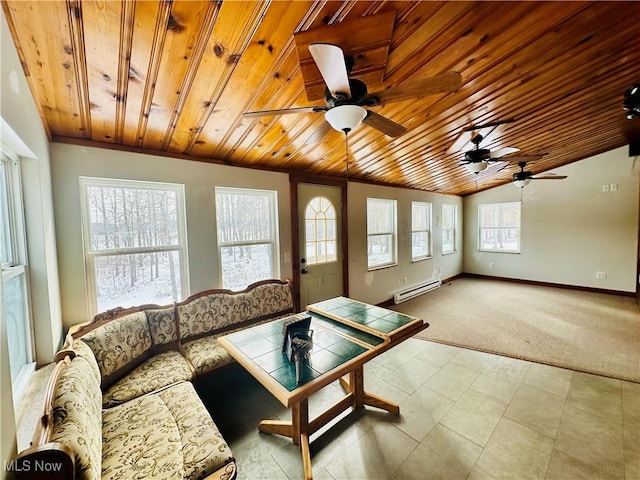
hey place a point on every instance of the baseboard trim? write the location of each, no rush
(548, 284)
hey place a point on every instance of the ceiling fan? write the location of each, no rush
(522, 178)
(346, 98)
(478, 158)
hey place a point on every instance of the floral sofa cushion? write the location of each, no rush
(205, 354)
(162, 326)
(268, 300)
(77, 417)
(153, 374)
(165, 435)
(119, 344)
(210, 313)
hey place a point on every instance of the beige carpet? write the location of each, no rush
(590, 332)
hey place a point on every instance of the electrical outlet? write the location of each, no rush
(601, 275)
(613, 187)
(490, 264)
(440, 270)
(404, 280)
(605, 188)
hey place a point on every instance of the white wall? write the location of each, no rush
(377, 286)
(571, 229)
(22, 132)
(69, 162)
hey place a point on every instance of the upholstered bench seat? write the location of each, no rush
(165, 435)
(152, 374)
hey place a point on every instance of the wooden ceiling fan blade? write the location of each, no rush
(501, 152)
(445, 83)
(319, 133)
(330, 61)
(386, 126)
(284, 111)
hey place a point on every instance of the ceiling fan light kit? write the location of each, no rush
(476, 167)
(522, 183)
(345, 118)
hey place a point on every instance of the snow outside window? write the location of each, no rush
(134, 242)
(247, 236)
(449, 213)
(420, 230)
(381, 233)
(499, 227)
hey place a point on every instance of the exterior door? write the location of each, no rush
(321, 257)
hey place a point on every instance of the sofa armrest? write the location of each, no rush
(49, 461)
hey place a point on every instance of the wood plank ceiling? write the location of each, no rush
(174, 78)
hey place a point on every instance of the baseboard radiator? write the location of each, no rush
(416, 290)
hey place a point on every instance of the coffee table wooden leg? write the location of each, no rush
(297, 430)
(306, 456)
(355, 385)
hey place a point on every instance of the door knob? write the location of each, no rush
(304, 271)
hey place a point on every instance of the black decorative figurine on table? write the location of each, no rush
(297, 343)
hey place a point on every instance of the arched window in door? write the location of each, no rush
(320, 231)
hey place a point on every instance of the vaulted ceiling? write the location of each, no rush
(175, 77)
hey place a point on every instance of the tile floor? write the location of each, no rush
(463, 415)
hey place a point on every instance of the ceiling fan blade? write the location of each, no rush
(284, 111)
(330, 61)
(501, 152)
(445, 83)
(550, 176)
(386, 126)
(320, 132)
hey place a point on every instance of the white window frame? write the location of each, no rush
(453, 229)
(500, 227)
(16, 265)
(426, 232)
(326, 217)
(393, 233)
(90, 255)
(274, 241)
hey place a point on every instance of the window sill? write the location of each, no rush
(516, 252)
(382, 267)
(449, 253)
(421, 259)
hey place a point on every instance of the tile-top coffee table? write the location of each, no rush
(346, 335)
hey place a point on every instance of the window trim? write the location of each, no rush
(428, 232)
(326, 241)
(274, 241)
(90, 255)
(393, 234)
(499, 228)
(18, 265)
(454, 229)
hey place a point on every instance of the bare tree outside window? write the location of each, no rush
(381, 232)
(247, 236)
(135, 241)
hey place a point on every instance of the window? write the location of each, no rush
(247, 236)
(499, 225)
(16, 309)
(449, 213)
(420, 230)
(134, 242)
(320, 231)
(381, 233)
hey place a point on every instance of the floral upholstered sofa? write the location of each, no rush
(120, 403)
